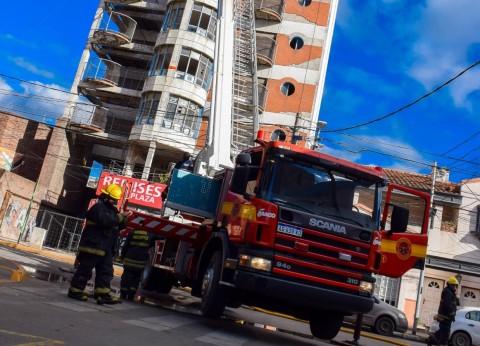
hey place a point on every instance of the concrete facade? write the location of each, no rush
(146, 86)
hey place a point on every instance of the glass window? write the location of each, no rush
(148, 109)
(161, 61)
(278, 135)
(203, 21)
(287, 89)
(183, 116)
(302, 183)
(173, 17)
(195, 67)
(304, 3)
(296, 43)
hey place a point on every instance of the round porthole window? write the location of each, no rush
(304, 3)
(287, 89)
(278, 135)
(296, 43)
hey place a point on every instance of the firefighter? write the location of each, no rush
(446, 313)
(134, 256)
(96, 247)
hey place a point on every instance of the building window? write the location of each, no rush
(148, 109)
(296, 43)
(183, 116)
(194, 67)
(161, 61)
(304, 3)
(203, 21)
(173, 17)
(449, 219)
(287, 89)
(278, 135)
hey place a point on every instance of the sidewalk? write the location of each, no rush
(10, 271)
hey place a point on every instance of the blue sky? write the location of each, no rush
(385, 55)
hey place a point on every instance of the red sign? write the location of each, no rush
(139, 191)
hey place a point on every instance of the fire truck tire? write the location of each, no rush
(213, 296)
(154, 279)
(325, 325)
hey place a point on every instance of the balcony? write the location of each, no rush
(269, 9)
(115, 29)
(102, 73)
(88, 118)
(266, 49)
(105, 81)
(106, 73)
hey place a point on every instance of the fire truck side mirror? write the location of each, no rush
(240, 179)
(399, 221)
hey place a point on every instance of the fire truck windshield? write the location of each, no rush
(319, 190)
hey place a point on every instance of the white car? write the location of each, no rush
(466, 328)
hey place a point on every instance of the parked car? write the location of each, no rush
(384, 319)
(465, 329)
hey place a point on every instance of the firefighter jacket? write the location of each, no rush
(448, 305)
(103, 222)
(135, 249)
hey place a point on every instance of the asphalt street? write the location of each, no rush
(43, 276)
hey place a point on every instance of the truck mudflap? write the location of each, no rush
(301, 295)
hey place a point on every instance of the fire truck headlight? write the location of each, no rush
(257, 263)
(366, 287)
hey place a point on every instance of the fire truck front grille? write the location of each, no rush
(322, 258)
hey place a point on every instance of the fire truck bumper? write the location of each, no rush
(300, 294)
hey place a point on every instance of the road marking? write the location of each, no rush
(222, 338)
(148, 325)
(41, 340)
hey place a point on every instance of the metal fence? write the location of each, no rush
(63, 231)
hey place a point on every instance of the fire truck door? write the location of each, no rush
(404, 230)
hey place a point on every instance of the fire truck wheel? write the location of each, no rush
(326, 325)
(213, 297)
(154, 279)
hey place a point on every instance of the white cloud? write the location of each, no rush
(370, 150)
(37, 101)
(446, 34)
(21, 62)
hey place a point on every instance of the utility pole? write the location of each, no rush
(27, 215)
(422, 271)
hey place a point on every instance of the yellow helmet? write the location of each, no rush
(452, 280)
(113, 190)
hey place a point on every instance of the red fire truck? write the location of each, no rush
(287, 229)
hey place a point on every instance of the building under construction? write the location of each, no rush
(145, 81)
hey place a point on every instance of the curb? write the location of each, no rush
(69, 259)
(18, 274)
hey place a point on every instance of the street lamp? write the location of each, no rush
(459, 278)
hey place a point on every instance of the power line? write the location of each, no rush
(408, 105)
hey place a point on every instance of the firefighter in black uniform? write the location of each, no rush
(134, 255)
(446, 313)
(96, 248)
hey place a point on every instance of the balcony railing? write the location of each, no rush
(269, 9)
(107, 73)
(89, 117)
(266, 49)
(114, 29)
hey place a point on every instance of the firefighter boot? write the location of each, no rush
(78, 296)
(107, 299)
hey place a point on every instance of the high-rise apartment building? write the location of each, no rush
(148, 70)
